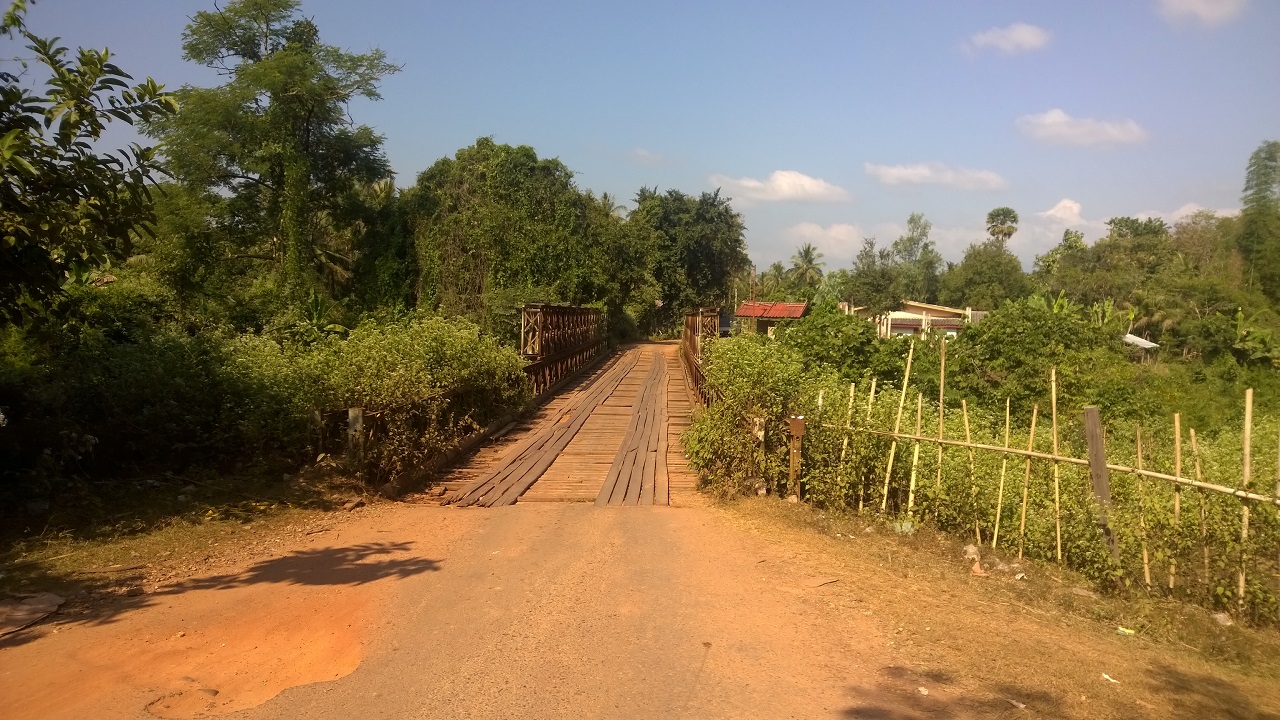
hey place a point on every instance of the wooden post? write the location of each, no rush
(1177, 497)
(1026, 480)
(915, 455)
(1204, 516)
(1244, 505)
(317, 420)
(848, 427)
(1004, 466)
(973, 481)
(897, 426)
(862, 479)
(942, 404)
(1142, 519)
(796, 427)
(1100, 475)
(1057, 499)
(355, 434)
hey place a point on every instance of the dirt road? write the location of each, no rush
(555, 610)
(539, 610)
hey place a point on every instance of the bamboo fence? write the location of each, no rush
(1099, 468)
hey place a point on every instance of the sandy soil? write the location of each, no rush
(565, 610)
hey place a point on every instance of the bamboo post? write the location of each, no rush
(355, 434)
(1244, 506)
(862, 479)
(1004, 466)
(1142, 519)
(915, 456)
(1100, 476)
(1026, 480)
(848, 427)
(1057, 498)
(942, 389)
(1204, 516)
(1177, 497)
(973, 482)
(897, 426)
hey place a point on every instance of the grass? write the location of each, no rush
(112, 538)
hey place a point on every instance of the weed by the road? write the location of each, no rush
(934, 562)
(170, 526)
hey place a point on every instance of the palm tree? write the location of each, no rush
(1002, 223)
(806, 265)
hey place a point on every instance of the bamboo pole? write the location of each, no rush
(1244, 506)
(1026, 480)
(1084, 462)
(915, 455)
(862, 478)
(848, 426)
(1204, 517)
(1004, 466)
(1177, 497)
(1142, 520)
(942, 389)
(973, 482)
(897, 425)
(1057, 499)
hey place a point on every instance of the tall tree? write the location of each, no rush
(274, 141)
(700, 248)
(806, 265)
(1002, 223)
(497, 225)
(66, 208)
(1260, 218)
(917, 262)
(872, 284)
(1047, 264)
(987, 276)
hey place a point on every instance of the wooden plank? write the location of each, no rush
(525, 463)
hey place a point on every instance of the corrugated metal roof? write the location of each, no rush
(1139, 342)
(778, 310)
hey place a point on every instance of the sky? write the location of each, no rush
(826, 122)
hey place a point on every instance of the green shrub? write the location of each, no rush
(128, 397)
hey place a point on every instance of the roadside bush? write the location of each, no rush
(979, 494)
(143, 397)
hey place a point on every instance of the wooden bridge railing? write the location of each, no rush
(699, 326)
(559, 340)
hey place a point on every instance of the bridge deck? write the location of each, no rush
(653, 387)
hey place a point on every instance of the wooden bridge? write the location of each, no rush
(612, 436)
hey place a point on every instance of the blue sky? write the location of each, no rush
(826, 121)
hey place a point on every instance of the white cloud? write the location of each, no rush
(1206, 12)
(1185, 212)
(1016, 38)
(782, 185)
(640, 156)
(1066, 212)
(838, 242)
(1056, 126)
(935, 174)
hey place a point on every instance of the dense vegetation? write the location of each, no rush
(807, 370)
(1203, 289)
(199, 303)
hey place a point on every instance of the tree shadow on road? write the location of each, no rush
(339, 566)
(894, 694)
(1193, 696)
(897, 696)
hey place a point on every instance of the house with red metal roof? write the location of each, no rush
(764, 316)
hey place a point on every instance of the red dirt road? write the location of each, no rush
(553, 610)
(540, 610)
